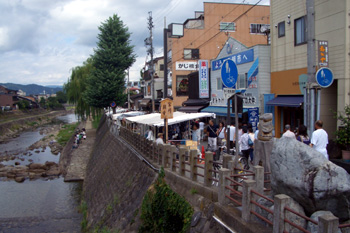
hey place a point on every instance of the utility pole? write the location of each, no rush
(165, 55)
(310, 94)
(150, 26)
(128, 91)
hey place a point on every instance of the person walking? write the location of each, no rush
(201, 128)
(221, 133)
(288, 133)
(196, 133)
(232, 129)
(243, 143)
(251, 148)
(212, 136)
(302, 135)
(319, 139)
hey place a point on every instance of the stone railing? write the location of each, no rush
(235, 185)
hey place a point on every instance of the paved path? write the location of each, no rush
(80, 156)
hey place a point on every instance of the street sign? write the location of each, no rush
(113, 104)
(167, 109)
(324, 77)
(229, 73)
(323, 53)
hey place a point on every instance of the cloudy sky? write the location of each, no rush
(41, 40)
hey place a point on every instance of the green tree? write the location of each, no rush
(61, 97)
(42, 102)
(112, 57)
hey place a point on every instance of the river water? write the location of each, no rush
(38, 205)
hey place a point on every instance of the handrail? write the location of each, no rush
(262, 217)
(296, 226)
(300, 215)
(260, 195)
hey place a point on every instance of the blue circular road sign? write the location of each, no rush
(324, 77)
(113, 104)
(229, 73)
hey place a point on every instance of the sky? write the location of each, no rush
(42, 40)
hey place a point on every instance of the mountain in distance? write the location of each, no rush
(33, 89)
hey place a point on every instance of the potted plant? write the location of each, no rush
(343, 132)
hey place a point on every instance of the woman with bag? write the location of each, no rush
(221, 133)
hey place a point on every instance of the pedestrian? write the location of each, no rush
(150, 134)
(160, 139)
(221, 133)
(243, 143)
(302, 135)
(212, 136)
(288, 133)
(196, 133)
(319, 139)
(251, 148)
(232, 129)
(201, 128)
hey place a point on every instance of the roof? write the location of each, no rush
(287, 101)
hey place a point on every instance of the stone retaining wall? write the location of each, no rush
(115, 184)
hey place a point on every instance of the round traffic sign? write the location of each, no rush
(113, 104)
(229, 73)
(324, 77)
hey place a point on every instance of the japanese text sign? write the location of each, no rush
(167, 109)
(203, 79)
(186, 66)
(323, 53)
(238, 58)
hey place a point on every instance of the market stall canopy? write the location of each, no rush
(127, 114)
(150, 119)
(186, 117)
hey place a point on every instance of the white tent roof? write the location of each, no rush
(127, 114)
(154, 118)
(186, 117)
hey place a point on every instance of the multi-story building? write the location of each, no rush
(158, 76)
(205, 35)
(8, 98)
(289, 59)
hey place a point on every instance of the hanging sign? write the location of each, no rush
(203, 79)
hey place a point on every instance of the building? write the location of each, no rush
(205, 36)
(8, 98)
(289, 59)
(253, 81)
(158, 67)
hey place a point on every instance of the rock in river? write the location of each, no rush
(309, 178)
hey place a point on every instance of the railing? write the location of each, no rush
(240, 187)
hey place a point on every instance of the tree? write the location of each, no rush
(112, 57)
(61, 97)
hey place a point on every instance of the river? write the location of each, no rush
(38, 205)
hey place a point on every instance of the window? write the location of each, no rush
(227, 26)
(191, 53)
(255, 28)
(281, 29)
(161, 67)
(218, 84)
(299, 31)
(181, 85)
(242, 81)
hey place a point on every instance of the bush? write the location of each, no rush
(343, 132)
(163, 210)
(66, 133)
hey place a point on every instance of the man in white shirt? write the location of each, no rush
(201, 128)
(288, 133)
(232, 129)
(319, 139)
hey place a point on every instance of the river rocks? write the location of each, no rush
(17, 163)
(309, 178)
(20, 179)
(36, 166)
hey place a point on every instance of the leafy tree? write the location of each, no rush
(23, 104)
(61, 97)
(112, 57)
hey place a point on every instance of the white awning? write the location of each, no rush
(127, 114)
(186, 117)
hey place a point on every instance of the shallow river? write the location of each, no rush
(40, 205)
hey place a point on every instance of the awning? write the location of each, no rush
(220, 111)
(186, 117)
(191, 109)
(294, 101)
(144, 102)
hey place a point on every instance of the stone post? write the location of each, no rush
(182, 161)
(225, 159)
(230, 165)
(259, 178)
(173, 158)
(247, 196)
(223, 173)
(193, 155)
(280, 201)
(208, 166)
(328, 223)
(165, 153)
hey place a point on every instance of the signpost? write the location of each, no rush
(229, 73)
(324, 77)
(166, 112)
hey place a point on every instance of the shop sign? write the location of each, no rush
(203, 79)
(238, 59)
(323, 53)
(253, 116)
(186, 65)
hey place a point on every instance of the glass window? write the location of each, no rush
(299, 31)
(256, 28)
(218, 84)
(281, 29)
(191, 53)
(161, 67)
(242, 81)
(181, 85)
(224, 26)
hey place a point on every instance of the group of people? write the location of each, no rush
(319, 138)
(80, 135)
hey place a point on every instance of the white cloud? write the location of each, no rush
(41, 40)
